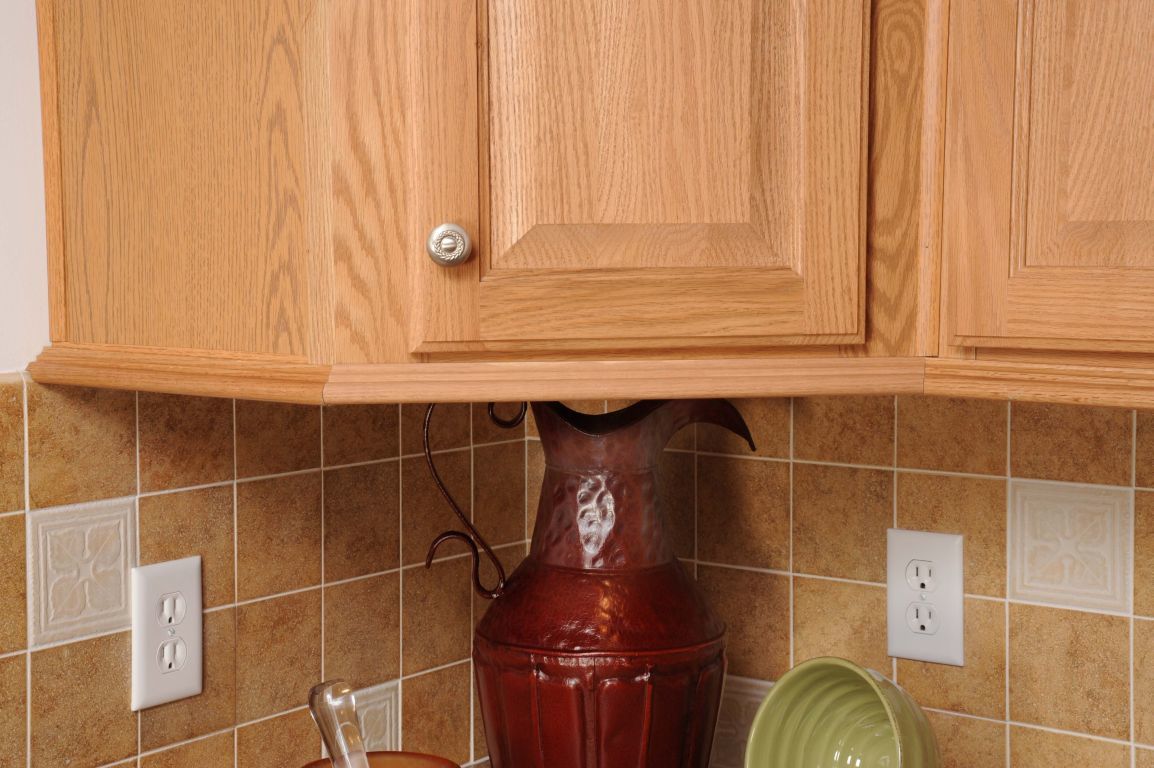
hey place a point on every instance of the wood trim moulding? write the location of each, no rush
(191, 372)
(1088, 385)
(620, 379)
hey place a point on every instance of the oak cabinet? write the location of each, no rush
(644, 174)
(1049, 175)
(260, 177)
(666, 198)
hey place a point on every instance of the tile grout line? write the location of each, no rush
(235, 578)
(400, 581)
(1006, 611)
(894, 500)
(27, 579)
(1032, 726)
(472, 603)
(792, 582)
(1133, 515)
(324, 513)
(136, 521)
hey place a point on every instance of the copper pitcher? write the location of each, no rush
(600, 651)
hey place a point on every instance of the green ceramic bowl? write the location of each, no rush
(831, 713)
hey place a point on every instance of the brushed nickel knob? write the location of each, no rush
(449, 245)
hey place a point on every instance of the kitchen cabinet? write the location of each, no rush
(1049, 184)
(665, 198)
(648, 174)
(1048, 222)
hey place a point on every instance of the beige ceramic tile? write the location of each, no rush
(966, 742)
(499, 492)
(676, 498)
(768, 422)
(425, 514)
(184, 441)
(362, 520)
(1070, 545)
(287, 741)
(213, 752)
(1144, 454)
(80, 704)
(1144, 758)
(13, 610)
(1057, 658)
(743, 512)
(1070, 442)
(1144, 553)
(833, 618)
(278, 535)
(450, 427)
(11, 443)
(979, 687)
(81, 443)
(534, 476)
(79, 564)
(1144, 681)
(840, 518)
(13, 715)
(972, 507)
(362, 631)
(755, 609)
(848, 430)
(952, 434)
(176, 525)
(486, 431)
(276, 437)
(357, 433)
(433, 710)
(1032, 748)
(215, 707)
(278, 653)
(436, 625)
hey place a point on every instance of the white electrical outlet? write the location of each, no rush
(167, 640)
(925, 605)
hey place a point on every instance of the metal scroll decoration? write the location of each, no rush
(473, 539)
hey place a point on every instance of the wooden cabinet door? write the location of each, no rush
(1049, 199)
(640, 173)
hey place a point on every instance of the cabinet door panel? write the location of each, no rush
(1063, 253)
(191, 214)
(659, 172)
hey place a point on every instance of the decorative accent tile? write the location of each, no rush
(739, 704)
(79, 574)
(1070, 545)
(378, 709)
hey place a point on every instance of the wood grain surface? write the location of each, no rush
(187, 193)
(1049, 211)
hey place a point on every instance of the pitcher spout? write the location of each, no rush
(629, 439)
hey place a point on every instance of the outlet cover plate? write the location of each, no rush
(151, 584)
(944, 552)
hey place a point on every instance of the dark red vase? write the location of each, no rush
(600, 651)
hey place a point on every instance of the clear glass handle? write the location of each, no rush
(335, 712)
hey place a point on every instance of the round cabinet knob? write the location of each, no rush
(449, 245)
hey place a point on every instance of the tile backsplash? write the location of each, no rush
(1056, 504)
(313, 525)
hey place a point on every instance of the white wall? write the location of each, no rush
(23, 260)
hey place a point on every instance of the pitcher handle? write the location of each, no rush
(473, 537)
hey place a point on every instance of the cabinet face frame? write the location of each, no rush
(814, 295)
(1024, 271)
